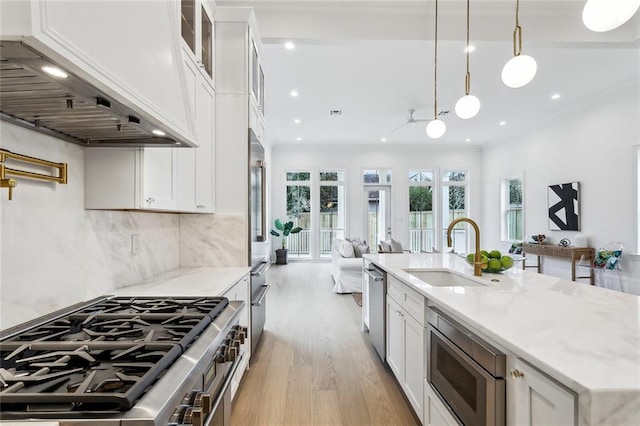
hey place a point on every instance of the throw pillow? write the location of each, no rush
(360, 248)
(385, 246)
(345, 249)
(396, 246)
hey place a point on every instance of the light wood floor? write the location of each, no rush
(314, 365)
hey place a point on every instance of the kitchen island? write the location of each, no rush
(584, 337)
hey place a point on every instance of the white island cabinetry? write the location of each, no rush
(406, 348)
(533, 398)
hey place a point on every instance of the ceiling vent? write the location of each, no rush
(335, 112)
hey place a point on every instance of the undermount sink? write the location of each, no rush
(442, 278)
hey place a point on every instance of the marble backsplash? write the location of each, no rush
(213, 240)
(54, 253)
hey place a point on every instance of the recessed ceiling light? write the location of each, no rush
(294, 93)
(383, 139)
(555, 96)
(298, 139)
(297, 121)
(158, 132)
(503, 123)
(467, 140)
(54, 71)
(469, 49)
(289, 45)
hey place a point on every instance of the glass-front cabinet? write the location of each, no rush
(257, 78)
(196, 26)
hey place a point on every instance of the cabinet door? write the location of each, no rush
(159, 178)
(414, 352)
(187, 156)
(536, 399)
(205, 132)
(435, 412)
(394, 338)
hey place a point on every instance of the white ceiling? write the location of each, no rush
(373, 60)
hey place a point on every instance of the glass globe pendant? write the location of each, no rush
(468, 105)
(436, 128)
(606, 15)
(521, 69)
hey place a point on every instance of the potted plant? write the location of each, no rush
(285, 229)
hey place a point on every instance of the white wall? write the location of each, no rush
(355, 158)
(593, 145)
(54, 252)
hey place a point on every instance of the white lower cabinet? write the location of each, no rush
(535, 399)
(435, 412)
(406, 353)
(241, 291)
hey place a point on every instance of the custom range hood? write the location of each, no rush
(37, 93)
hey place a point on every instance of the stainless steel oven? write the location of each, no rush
(466, 372)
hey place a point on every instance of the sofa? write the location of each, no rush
(346, 265)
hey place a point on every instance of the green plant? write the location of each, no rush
(285, 229)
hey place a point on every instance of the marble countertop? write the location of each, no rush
(584, 336)
(200, 281)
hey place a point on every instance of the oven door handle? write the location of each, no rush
(263, 294)
(223, 390)
(374, 274)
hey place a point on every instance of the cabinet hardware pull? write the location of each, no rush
(517, 374)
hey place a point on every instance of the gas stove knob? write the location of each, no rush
(206, 403)
(221, 355)
(236, 343)
(197, 419)
(232, 353)
(242, 336)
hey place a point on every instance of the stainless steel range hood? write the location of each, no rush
(69, 107)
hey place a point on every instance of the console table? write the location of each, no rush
(572, 253)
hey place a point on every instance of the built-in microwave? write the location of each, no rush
(466, 372)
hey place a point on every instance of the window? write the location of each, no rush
(299, 211)
(454, 205)
(377, 177)
(512, 219)
(421, 213)
(331, 209)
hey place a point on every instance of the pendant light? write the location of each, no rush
(468, 105)
(520, 69)
(435, 128)
(606, 15)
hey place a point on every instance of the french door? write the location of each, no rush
(378, 214)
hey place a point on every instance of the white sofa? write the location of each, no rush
(346, 269)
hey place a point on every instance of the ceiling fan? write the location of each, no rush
(411, 121)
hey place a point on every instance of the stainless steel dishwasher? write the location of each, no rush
(377, 282)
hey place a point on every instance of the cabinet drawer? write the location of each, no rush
(395, 288)
(414, 303)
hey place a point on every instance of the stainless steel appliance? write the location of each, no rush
(465, 371)
(376, 280)
(258, 234)
(71, 108)
(124, 361)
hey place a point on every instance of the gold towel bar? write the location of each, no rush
(11, 183)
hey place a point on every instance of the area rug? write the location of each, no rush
(358, 298)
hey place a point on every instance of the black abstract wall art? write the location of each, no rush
(564, 207)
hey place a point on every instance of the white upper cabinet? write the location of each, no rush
(236, 40)
(196, 28)
(129, 50)
(131, 178)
